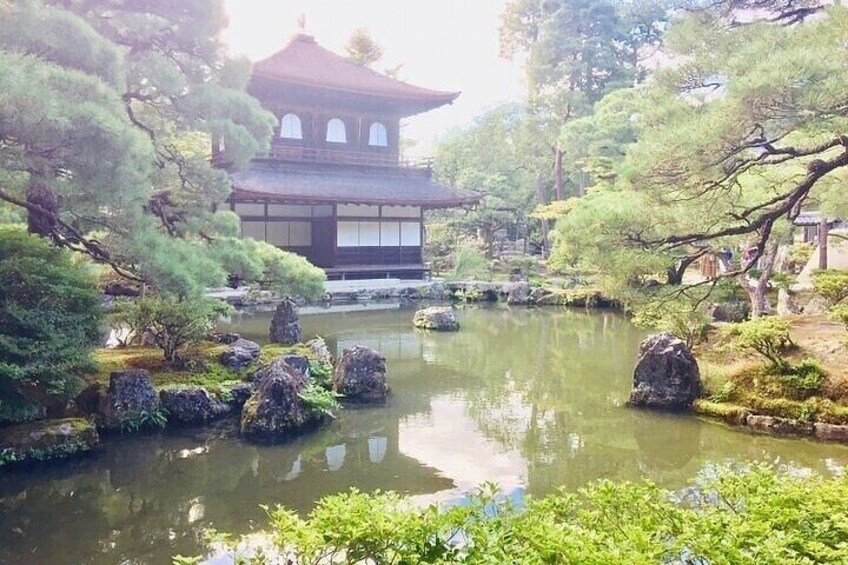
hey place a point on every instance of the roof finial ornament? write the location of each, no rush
(301, 23)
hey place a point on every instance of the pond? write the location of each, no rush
(533, 399)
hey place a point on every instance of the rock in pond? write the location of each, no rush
(129, 398)
(360, 375)
(437, 318)
(285, 325)
(239, 394)
(779, 426)
(192, 405)
(241, 353)
(666, 375)
(47, 439)
(831, 432)
(227, 338)
(519, 294)
(275, 411)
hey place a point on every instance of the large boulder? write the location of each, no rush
(817, 306)
(666, 375)
(240, 354)
(192, 405)
(360, 375)
(129, 399)
(47, 439)
(275, 412)
(437, 318)
(285, 325)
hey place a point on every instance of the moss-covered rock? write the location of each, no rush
(192, 405)
(130, 402)
(436, 318)
(276, 411)
(46, 440)
(360, 375)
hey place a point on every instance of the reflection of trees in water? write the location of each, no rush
(553, 385)
(143, 500)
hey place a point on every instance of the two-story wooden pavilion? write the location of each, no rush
(334, 187)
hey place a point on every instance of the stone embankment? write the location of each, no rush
(517, 293)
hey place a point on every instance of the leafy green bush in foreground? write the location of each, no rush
(760, 516)
(50, 320)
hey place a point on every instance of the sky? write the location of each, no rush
(443, 44)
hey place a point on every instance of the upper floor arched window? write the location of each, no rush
(378, 136)
(336, 132)
(290, 127)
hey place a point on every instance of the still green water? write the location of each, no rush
(531, 399)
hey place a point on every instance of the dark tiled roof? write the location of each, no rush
(813, 218)
(347, 185)
(304, 62)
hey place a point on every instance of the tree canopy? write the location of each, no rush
(109, 113)
(718, 150)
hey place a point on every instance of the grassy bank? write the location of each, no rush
(200, 365)
(814, 389)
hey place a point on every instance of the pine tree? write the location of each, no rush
(109, 111)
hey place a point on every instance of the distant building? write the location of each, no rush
(334, 187)
(809, 221)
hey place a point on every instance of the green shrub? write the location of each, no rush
(799, 255)
(320, 400)
(840, 314)
(679, 317)
(728, 290)
(50, 320)
(144, 421)
(469, 263)
(767, 336)
(832, 285)
(170, 323)
(801, 380)
(321, 373)
(757, 516)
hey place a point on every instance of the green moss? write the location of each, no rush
(272, 351)
(582, 297)
(731, 413)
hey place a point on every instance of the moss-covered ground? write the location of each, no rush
(199, 367)
(737, 383)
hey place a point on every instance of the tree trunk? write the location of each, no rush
(558, 175)
(757, 291)
(542, 199)
(674, 273)
(824, 232)
(42, 216)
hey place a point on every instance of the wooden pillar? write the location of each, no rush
(824, 232)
